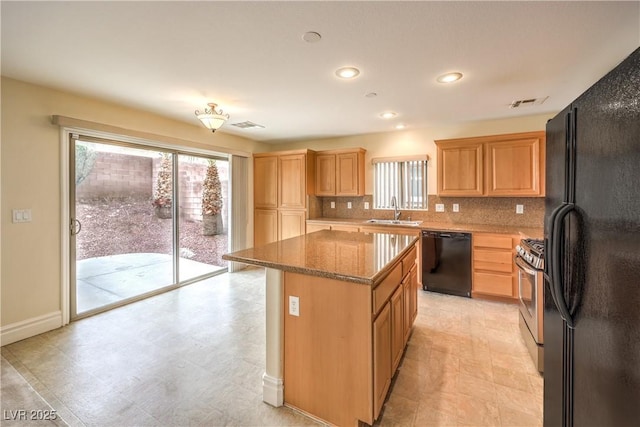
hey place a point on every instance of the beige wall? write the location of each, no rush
(30, 179)
(418, 141)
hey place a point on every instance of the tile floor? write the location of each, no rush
(195, 356)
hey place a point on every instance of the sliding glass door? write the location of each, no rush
(143, 220)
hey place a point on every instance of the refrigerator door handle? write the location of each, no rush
(557, 273)
(548, 274)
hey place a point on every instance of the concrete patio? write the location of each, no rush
(110, 279)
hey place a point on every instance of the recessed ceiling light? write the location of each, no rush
(449, 77)
(400, 126)
(388, 114)
(371, 95)
(311, 37)
(347, 72)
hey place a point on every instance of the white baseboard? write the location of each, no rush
(31, 327)
(272, 390)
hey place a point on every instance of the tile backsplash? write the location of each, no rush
(473, 210)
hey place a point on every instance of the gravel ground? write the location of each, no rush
(117, 226)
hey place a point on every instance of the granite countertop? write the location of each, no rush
(353, 257)
(533, 232)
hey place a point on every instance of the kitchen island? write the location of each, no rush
(339, 311)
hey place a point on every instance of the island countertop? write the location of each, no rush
(349, 256)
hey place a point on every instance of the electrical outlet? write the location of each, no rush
(349, 205)
(439, 207)
(294, 305)
(519, 209)
(366, 205)
(333, 205)
(456, 207)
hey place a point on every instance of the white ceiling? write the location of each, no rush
(171, 58)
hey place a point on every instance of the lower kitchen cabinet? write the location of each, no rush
(381, 357)
(397, 327)
(343, 349)
(494, 272)
(291, 223)
(265, 226)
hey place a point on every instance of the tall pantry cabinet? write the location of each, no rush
(281, 183)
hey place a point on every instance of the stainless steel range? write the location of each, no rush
(530, 262)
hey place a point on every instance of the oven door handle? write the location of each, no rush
(522, 265)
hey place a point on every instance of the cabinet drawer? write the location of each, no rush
(384, 290)
(408, 261)
(493, 284)
(492, 241)
(493, 266)
(498, 257)
(501, 261)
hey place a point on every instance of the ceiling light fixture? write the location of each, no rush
(400, 126)
(449, 77)
(212, 118)
(388, 114)
(347, 72)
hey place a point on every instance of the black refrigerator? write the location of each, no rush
(592, 256)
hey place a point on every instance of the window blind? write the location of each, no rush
(406, 180)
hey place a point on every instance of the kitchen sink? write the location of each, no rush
(394, 222)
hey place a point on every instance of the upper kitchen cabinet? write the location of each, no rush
(283, 179)
(265, 188)
(340, 172)
(509, 165)
(281, 183)
(460, 168)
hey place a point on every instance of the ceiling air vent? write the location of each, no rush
(247, 125)
(527, 102)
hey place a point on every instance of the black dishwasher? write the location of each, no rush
(446, 262)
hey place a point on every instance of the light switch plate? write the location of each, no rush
(349, 205)
(333, 205)
(519, 209)
(294, 305)
(456, 207)
(20, 215)
(366, 205)
(439, 207)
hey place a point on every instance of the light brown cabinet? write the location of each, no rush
(494, 272)
(265, 225)
(364, 326)
(265, 186)
(340, 172)
(381, 357)
(460, 169)
(509, 165)
(282, 182)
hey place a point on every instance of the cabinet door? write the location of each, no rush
(460, 169)
(325, 175)
(513, 167)
(413, 297)
(265, 182)
(265, 223)
(348, 173)
(291, 223)
(410, 288)
(397, 327)
(381, 358)
(292, 181)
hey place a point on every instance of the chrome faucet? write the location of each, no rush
(396, 212)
